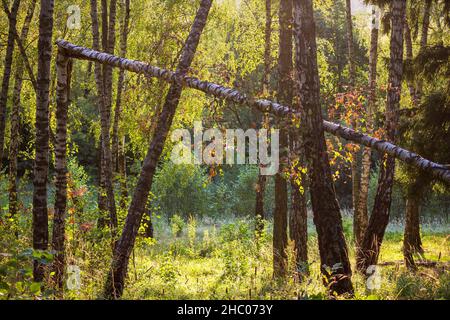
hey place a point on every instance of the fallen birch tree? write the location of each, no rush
(439, 171)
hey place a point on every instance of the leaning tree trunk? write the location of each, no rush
(40, 213)
(355, 167)
(280, 219)
(63, 71)
(367, 152)
(436, 170)
(15, 117)
(335, 265)
(261, 182)
(7, 74)
(116, 276)
(373, 237)
(105, 155)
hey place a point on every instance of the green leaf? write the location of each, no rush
(35, 287)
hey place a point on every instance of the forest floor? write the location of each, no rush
(220, 259)
(223, 261)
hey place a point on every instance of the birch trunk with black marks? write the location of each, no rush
(7, 73)
(63, 71)
(280, 219)
(40, 213)
(116, 277)
(363, 214)
(438, 171)
(335, 265)
(379, 219)
(15, 117)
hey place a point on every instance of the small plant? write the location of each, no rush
(177, 225)
(192, 231)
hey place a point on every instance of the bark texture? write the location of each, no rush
(335, 265)
(116, 277)
(439, 171)
(40, 213)
(15, 117)
(63, 70)
(7, 73)
(373, 237)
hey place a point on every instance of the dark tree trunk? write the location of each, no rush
(412, 241)
(259, 204)
(425, 24)
(116, 277)
(15, 117)
(63, 73)
(40, 213)
(409, 61)
(7, 73)
(335, 265)
(373, 237)
(298, 222)
(363, 215)
(284, 97)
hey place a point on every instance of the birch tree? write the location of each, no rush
(116, 277)
(40, 213)
(335, 265)
(373, 236)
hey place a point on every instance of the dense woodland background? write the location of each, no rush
(215, 232)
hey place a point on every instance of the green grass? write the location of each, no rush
(222, 260)
(242, 269)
